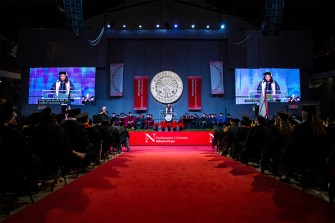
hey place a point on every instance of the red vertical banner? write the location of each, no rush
(194, 92)
(140, 92)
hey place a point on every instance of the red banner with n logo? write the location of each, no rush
(194, 92)
(140, 92)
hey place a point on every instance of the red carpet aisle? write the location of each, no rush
(176, 184)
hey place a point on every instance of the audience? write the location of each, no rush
(285, 146)
(19, 166)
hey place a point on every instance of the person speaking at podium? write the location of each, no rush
(168, 113)
(268, 85)
(62, 85)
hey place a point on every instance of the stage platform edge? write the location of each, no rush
(178, 138)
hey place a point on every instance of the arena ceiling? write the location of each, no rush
(314, 15)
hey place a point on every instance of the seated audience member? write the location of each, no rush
(278, 136)
(78, 140)
(93, 136)
(255, 141)
(218, 136)
(240, 136)
(124, 136)
(130, 121)
(49, 143)
(308, 146)
(109, 137)
(18, 165)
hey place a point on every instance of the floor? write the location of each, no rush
(24, 201)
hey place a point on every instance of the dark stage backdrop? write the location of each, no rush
(184, 56)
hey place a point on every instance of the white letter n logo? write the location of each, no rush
(148, 137)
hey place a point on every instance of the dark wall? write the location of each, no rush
(184, 56)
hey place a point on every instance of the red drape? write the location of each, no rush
(194, 92)
(140, 92)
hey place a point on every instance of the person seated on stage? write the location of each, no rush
(140, 122)
(148, 122)
(130, 121)
(113, 118)
(104, 111)
(187, 121)
(152, 120)
(121, 118)
(228, 118)
(221, 118)
(116, 122)
(62, 85)
(195, 122)
(87, 99)
(203, 121)
(187, 116)
(211, 121)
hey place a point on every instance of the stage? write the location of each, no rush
(178, 138)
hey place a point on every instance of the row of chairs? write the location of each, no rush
(9, 195)
(306, 178)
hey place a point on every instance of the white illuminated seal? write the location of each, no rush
(166, 87)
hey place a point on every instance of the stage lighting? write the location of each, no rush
(207, 26)
(157, 26)
(222, 26)
(124, 26)
(175, 25)
(192, 26)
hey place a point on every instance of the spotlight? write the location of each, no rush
(140, 26)
(192, 26)
(207, 26)
(157, 26)
(108, 26)
(175, 25)
(222, 26)
(124, 26)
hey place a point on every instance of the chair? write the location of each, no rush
(12, 187)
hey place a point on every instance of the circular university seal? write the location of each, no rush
(166, 87)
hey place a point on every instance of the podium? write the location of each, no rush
(255, 96)
(61, 97)
(169, 116)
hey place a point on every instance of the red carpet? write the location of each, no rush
(176, 184)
